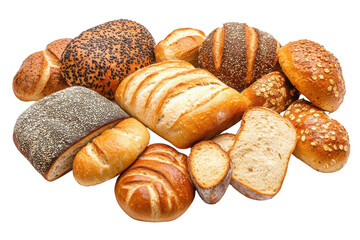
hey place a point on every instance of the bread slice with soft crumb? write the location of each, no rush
(210, 169)
(225, 140)
(261, 153)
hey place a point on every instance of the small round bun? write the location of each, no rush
(238, 54)
(315, 72)
(322, 142)
(102, 56)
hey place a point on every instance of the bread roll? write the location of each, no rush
(180, 44)
(52, 130)
(110, 153)
(102, 56)
(39, 74)
(322, 142)
(261, 153)
(315, 72)
(238, 55)
(210, 169)
(157, 186)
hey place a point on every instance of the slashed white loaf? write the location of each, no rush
(261, 153)
(157, 186)
(180, 103)
(210, 169)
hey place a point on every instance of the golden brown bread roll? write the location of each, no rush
(315, 72)
(39, 74)
(180, 44)
(110, 153)
(102, 56)
(52, 130)
(238, 54)
(157, 186)
(322, 142)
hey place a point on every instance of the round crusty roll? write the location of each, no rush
(180, 44)
(238, 54)
(110, 153)
(322, 142)
(157, 186)
(315, 72)
(39, 74)
(102, 56)
(52, 130)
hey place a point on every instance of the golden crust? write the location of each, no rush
(315, 72)
(322, 142)
(157, 186)
(56, 48)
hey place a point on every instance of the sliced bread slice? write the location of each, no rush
(261, 153)
(210, 169)
(225, 140)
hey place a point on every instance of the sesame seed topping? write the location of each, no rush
(326, 70)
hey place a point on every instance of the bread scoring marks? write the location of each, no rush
(218, 47)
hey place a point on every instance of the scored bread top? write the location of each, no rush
(261, 152)
(315, 72)
(208, 164)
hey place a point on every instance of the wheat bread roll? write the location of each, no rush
(238, 54)
(180, 44)
(261, 153)
(157, 186)
(315, 72)
(39, 74)
(52, 130)
(322, 142)
(210, 169)
(111, 153)
(100, 57)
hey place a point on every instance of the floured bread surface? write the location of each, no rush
(261, 153)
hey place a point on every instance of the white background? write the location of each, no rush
(310, 204)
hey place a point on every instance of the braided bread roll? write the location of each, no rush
(238, 54)
(157, 187)
(39, 74)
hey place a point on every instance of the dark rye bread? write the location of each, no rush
(51, 131)
(238, 54)
(102, 56)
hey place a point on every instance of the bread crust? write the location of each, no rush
(39, 75)
(111, 153)
(238, 54)
(322, 142)
(157, 186)
(180, 44)
(315, 72)
(101, 57)
(210, 194)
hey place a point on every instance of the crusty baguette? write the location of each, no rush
(238, 54)
(110, 153)
(315, 72)
(210, 169)
(180, 44)
(322, 142)
(180, 103)
(225, 140)
(157, 186)
(261, 153)
(52, 130)
(39, 74)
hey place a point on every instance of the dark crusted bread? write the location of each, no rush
(102, 56)
(238, 54)
(51, 131)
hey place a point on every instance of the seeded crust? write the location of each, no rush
(39, 74)
(61, 121)
(240, 56)
(315, 72)
(102, 56)
(157, 186)
(322, 142)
